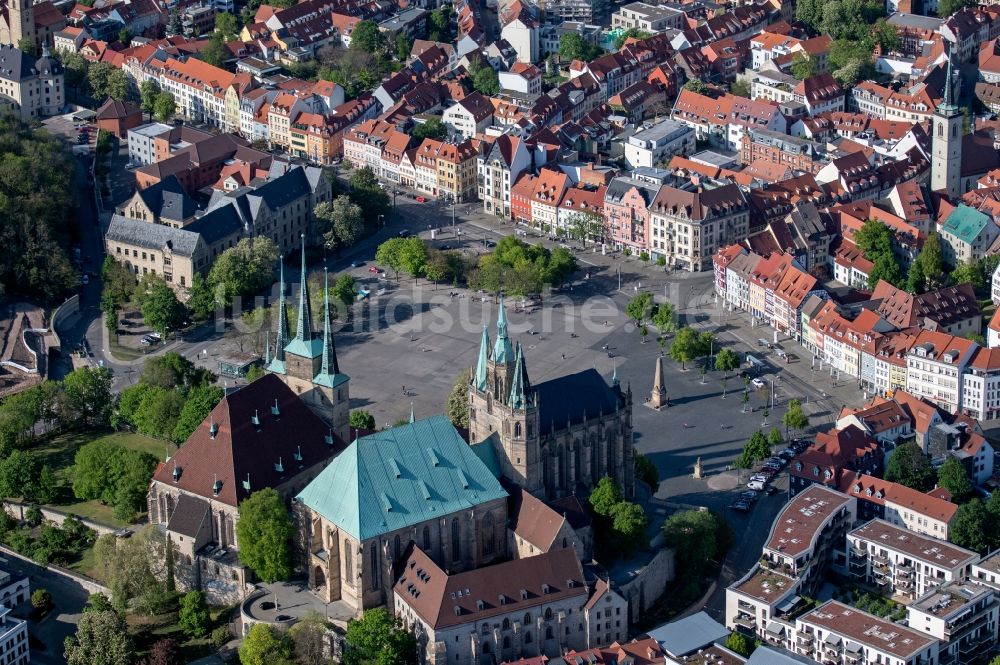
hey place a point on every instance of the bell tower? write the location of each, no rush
(946, 142)
(308, 362)
(504, 410)
(21, 21)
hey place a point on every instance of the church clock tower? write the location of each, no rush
(946, 142)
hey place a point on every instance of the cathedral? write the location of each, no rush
(556, 438)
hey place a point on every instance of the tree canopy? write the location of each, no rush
(36, 212)
(432, 128)
(341, 221)
(574, 47)
(952, 476)
(908, 465)
(244, 269)
(265, 532)
(101, 639)
(874, 239)
(378, 638)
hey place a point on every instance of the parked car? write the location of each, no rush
(85, 279)
(146, 340)
(155, 336)
(357, 264)
(749, 496)
(757, 383)
(756, 484)
(759, 476)
(740, 506)
(771, 490)
(421, 199)
(373, 269)
(404, 233)
(787, 453)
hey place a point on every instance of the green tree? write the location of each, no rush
(341, 221)
(439, 25)
(403, 254)
(88, 390)
(215, 52)
(605, 497)
(457, 404)
(909, 466)
(740, 88)
(378, 638)
(148, 92)
(886, 36)
(365, 191)
(695, 537)
(199, 403)
(158, 412)
(227, 26)
(432, 128)
(874, 239)
(201, 298)
(685, 346)
(113, 474)
(640, 308)
(27, 45)
(665, 319)
(101, 639)
(19, 473)
(125, 37)
(738, 643)
(974, 527)
(726, 361)
(118, 85)
(265, 645)
(308, 637)
(244, 269)
(402, 45)
(172, 370)
(574, 47)
(774, 438)
(367, 37)
(931, 261)
(161, 310)
(969, 272)
(41, 599)
(646, 471)
(486, 81)
(193, 617)
(757, 447)
(265, 532)
(628, 527)
(165, 106)
(97, 78)
(696, 85)
(795, 418)
(361, 419)
(48, 486)
(803, 66)
(343, 291)
(164, 652)
(952, 476)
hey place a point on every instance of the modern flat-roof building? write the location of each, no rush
(900, 562)
(839, 633)
(805, 538)
(962, 615)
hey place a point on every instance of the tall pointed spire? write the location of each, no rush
(614, 373)
(303, 330)
(277, 363)
(267, 348)
(502, 351)
(330, 365)
(484, 354)
(412, 419)
(517, 399)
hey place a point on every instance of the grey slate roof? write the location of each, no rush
(188, 516)
(217, 224)
(15, 65)
(152, 236)
(687, 635)
(569, 398)
(168, 199)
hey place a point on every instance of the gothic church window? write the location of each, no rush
(456, 546)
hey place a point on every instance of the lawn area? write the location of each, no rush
(87, 565)
(147, 630)
(58, 453)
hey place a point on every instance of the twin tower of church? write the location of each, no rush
(556, 438)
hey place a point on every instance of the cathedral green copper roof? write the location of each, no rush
(399, 477)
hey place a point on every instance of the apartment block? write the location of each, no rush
(934, 368)
(805, 540)
(963, 616)
(899, 562)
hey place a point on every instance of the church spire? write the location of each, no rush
(517, 400)
(502, 351)
(614, 373)
(484, 354)
(277, 364)
(303, 331)
(948, 107)
(412, 418)
(267, 348)
(329, 351)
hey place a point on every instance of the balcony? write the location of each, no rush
(805, 638)
(746, 622)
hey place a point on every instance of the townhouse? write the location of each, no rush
(498, 168)
(581, 212)
(805, 539)
(833, 455)
(550, 185)
(469, 116)
(689, 223)
(627, 203)
(899, 562)
(967, 235)
(935, 366)
(922, 513)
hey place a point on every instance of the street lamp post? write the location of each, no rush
(619, 276)
(381, 223)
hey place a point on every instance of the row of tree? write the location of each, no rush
(619, 525)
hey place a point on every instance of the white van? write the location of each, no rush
(756, 485)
